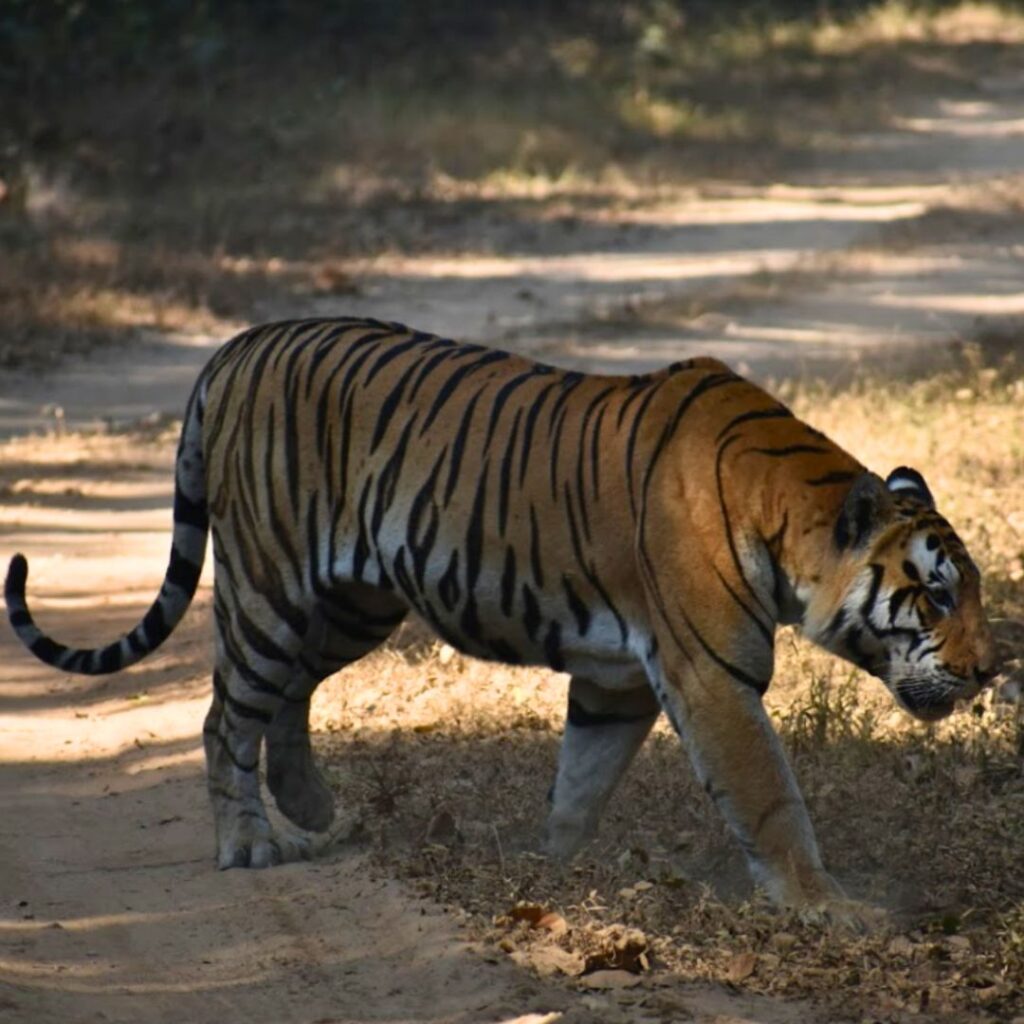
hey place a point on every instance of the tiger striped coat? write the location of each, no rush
(644, 534)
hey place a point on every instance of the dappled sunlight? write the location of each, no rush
(88, 979)
(95, 922)
(965, 119)
(124, 730)
(603, 268)
(979, 304)
(611, 188)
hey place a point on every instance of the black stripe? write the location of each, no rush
(877, 573)
(402, 577)
(110, 659)
(702, 387)
(503, 395)
(153, 625)
(775, 413)
(595, 454)
(839, 476)
(536, 566)
(727, 524)
(639, 384)
(182, 573)
(508, 581)
(450, 351)
(553, 647)
(758, 685)
(457, 376)
(554, 453)
(420, 537)
(505, 474)
(793, 449)
(283, 533)
(764, 630)
(475, 530)
(458, 448)
(579, 610)
(47, 650)
(634, 434)
(192, 513)
(257, 640)
(392, 352)
(448, 588)
(390, 475)
(528, 428)
(362, 547)
(531, 612)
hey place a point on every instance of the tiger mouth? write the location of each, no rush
(931, 702)
(932, 712)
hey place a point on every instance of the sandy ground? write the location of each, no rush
(111, 907)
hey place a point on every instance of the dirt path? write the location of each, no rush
(111, 908)
(869, 265)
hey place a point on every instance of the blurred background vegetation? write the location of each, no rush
(162, 163)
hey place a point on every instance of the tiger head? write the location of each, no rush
(909, 610)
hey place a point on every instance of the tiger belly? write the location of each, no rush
(494, 607)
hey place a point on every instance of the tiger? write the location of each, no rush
(644, 534)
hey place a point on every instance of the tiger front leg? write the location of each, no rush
(603, 731)
(740, 763)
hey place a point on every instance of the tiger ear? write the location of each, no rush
(866, 508)
(907, 482)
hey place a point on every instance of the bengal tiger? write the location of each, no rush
(644, 534)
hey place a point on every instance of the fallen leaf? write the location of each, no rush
(531, 913)
(741, 966)
(553, 923)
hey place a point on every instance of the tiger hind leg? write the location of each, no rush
(604, 729)
(232, 736)
(349, 626)
(299, 788)
(262, 686)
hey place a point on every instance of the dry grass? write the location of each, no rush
(444, 762)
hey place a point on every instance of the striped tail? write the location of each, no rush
(188, 549)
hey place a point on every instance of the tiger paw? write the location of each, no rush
(846, 915)
(263, 850)
(564, 839)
